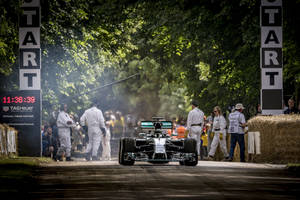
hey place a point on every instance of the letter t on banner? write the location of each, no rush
(271, 57)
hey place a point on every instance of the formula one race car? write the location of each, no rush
(154, 145)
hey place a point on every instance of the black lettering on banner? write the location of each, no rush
(29, 38)
(271, 37)
(30, 17)
(271, 16)
(271, 57)
(272, 77)
(30, 58)
(30, 77)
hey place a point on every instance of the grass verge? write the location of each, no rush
(294, 167)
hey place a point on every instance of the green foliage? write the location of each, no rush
(183, 50)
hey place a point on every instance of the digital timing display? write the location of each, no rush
(18, 99)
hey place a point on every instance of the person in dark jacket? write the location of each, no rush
(291, 109)
(50, 143)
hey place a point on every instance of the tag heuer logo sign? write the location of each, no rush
(5, 108)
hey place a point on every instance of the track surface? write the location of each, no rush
(208, 180)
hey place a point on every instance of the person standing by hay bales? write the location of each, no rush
(237, 123)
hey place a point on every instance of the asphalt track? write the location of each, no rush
(208, 180)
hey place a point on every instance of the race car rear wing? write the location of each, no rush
(156, 125)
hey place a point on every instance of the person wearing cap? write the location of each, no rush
(94, 120)
(237, 123)
(64, 123)
(195, 122)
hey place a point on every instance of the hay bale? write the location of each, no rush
(2, 140)
(11, 140)
(280, 137)
(8, 140)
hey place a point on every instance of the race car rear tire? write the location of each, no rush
(190, 146)
(127, 145)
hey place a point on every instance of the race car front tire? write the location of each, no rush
(127, 145)
(190, 146)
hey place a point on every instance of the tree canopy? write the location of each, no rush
(182, 50)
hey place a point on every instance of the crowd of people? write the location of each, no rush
(211, 131)
(66, 133)
(90, 134)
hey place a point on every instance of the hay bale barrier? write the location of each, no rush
(280, 138)
(8, 140)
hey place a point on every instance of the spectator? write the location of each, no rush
(105, 141)
(77, 137)
(210, 135)
(204, 143)
(181, 129)
(172, 132)
(50, 143)
(42, 128)
(258, 110)
(284, 107)
(118, 129)
(130, 124)
(107, 118)
(291, 109)
(174, 123)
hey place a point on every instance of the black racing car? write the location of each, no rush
(154, 145)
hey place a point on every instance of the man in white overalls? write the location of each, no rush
(64, 123)
(195, 123)
(94, 120)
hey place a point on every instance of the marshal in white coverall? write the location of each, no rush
(64, 123)
(194, 125)
(219, 126)
(94, 119)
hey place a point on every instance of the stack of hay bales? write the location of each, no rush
(2, 140)
(8, 140)
(280, 138)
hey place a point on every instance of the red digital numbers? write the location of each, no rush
(30, 99)
(18, 99)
